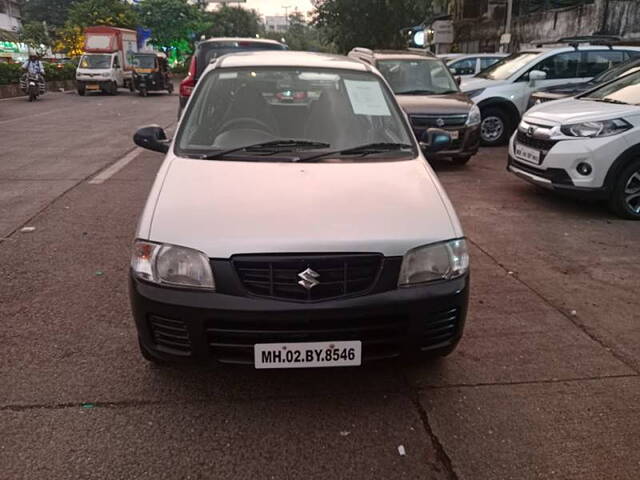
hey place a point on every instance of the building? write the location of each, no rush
(10, 24)
(277, 23)
(479, 25)
(10, 16)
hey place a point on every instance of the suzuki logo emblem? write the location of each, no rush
(309, 277)
(440, 122)
(531, 131)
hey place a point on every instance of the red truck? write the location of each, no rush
(106, 64)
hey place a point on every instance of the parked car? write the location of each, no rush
(287, 236)
(471, 64)
(502, 91)
(430, 96)
(572, 89)
(587, 146)
(208, 50)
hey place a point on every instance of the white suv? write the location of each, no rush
(295, 223)
(586, 146)
(502, 91)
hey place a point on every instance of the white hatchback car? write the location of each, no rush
(587, 146)
(502, 91)
(295, 223)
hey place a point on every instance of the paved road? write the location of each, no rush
(544, 385)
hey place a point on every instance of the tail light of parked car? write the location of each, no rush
(189, 83)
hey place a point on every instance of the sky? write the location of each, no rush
(274, 7)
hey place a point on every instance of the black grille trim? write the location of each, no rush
(170, 335)
(544, 145)
(276, 276)
(427, 121)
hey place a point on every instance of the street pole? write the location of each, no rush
(286, 14)
(507, 29)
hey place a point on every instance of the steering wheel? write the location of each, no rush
(245, 121)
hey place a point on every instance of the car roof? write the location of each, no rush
(401, 54)
(288, 58)
(458, 56)
(240, 39)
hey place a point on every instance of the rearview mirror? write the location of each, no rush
(153, 138)
(434, 140)
(535, 75)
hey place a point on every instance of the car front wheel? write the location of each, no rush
(495, 128)
(625, 197)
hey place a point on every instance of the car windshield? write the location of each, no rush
(144, 61)
(340, 109)
(417, 76)
(507, 66)
(95, 61)
(615, 72)
(624, 90)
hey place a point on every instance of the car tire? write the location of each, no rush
(495, 127)
(625, 195)
(149, 357)
(81, 91)
(461, 160)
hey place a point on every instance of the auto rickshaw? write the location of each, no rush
(151, 73)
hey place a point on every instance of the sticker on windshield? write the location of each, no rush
(367, 98)
(227, 75)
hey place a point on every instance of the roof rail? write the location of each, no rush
(575, 42)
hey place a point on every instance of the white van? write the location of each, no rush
(295, 223)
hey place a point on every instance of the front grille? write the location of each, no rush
(429, 121)
(170, 335)
(538, 143)
(382, 336)
(233, 341)
(278, 277)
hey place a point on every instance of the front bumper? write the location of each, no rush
(466, 145)
(176, 324)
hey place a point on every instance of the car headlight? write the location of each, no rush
(605, 128)
(429, 263)
(171, 265)
(474, 117)
(474, 93)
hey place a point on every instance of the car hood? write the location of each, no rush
(454, 103)
(574, 111)
(224, 208)
(475, 83)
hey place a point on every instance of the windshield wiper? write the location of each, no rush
(369, 149)
(271, 147)
(606, 100)
(416, 92)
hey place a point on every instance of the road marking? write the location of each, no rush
(107, 173)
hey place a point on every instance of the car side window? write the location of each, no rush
(465, 66)
(486, 62)
(598, 61)
(116, 62)
(632, 54)
(562, 65)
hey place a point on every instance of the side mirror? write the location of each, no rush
(153, 138)
(434, 140)
(535, 75)
(458, 80)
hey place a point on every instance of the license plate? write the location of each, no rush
(308, 354)
(454, 134)
(93, 87)
(527, 154)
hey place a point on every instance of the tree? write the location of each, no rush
(69, 40)
(234, 22)
(36, 37)
(368, 23)
(171, 21)
(54, 12)
(300, 35)
(114, 13)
